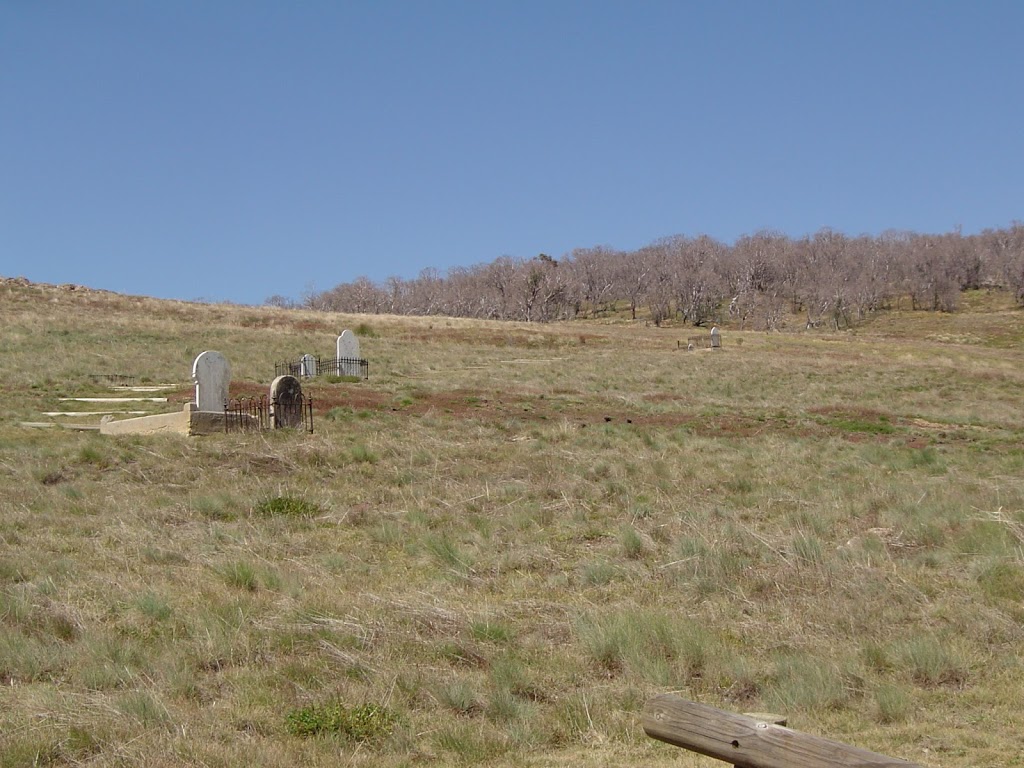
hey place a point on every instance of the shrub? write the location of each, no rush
(144, 708)
(458, 696)
(364, 723)
(633, 545)
(648, 643)
(805, 683)
(363, 455)
(893, 704)
(287, 506)
(930, 662)
(241, 574)
(597, 574)
(94, 455)
(1000, 580)
(153, 607)
(338, 413)
(447, 553)
(808, 549)
(491, 631)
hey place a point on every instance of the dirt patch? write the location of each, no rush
(499, 407)
(477, 337)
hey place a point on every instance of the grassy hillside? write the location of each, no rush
(496, 548)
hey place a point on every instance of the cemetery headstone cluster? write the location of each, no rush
(346, 362)
(212, 409)
(711, 341)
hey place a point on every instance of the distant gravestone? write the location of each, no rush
(211, 373)
(307, 366)
(716, 338)
(348, 354)
(286, 402)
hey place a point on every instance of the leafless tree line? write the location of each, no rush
(760, 281)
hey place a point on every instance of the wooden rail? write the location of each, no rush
(750, 743)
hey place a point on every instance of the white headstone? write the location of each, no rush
(716, 338)
(211, 373)
(348, 354)
(307, 366)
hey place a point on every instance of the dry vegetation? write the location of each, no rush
(494, 550)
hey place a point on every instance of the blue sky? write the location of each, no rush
(231, 150)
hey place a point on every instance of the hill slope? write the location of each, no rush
(508, 538)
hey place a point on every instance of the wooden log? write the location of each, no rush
(768, 717)
(750, 743)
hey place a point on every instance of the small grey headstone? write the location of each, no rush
(716, 338)
(211, 373)
(286, 402)
(348, 352)
(307, 366)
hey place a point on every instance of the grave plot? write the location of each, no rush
(213, 410)
(130, 409)
(346, 362)
(88, 412)
(711, 341)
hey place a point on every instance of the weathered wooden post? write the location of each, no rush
(747, 742)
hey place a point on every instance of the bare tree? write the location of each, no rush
(361, 295)
(698, 285)
(829, 278)
(281, 302)
(751, 276)
(592, 280)
(660, 282)
(1004, 251)
(632, 278)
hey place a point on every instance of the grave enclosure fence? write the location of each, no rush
(702, 342)
(317, 366)
(254, 414)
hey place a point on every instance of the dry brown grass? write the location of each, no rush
(511, 536)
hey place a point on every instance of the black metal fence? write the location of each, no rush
(703, 342)
(290, 369)
(244, 414)
(249, 414)
(346, 366)
(309, 367)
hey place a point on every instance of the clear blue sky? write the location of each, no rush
(235, 149)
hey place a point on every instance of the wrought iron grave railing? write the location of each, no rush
(310, 366)
(244, 414)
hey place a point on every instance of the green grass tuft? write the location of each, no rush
(369, 724)
(287, 506)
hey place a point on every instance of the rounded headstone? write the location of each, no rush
(307, 366)
(286, 401)
(211, 373)
(348, 354)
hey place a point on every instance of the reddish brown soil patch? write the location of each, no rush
(481, 337)
(501, 407)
